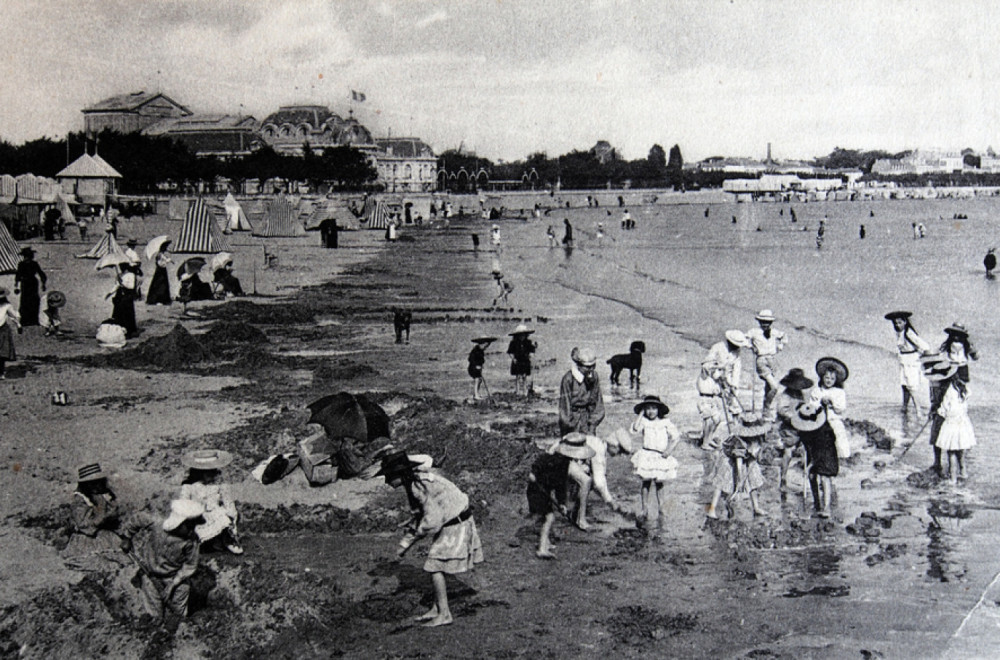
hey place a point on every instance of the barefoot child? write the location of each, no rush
(736, 469)
(53, 301)
(477, 358)
(548, 483)
(795, 385)
(654, 462)
(442, 510)
(956, 433)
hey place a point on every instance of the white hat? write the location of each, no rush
(736, 338)
(765, 315)
(181, 511)
(584, 357)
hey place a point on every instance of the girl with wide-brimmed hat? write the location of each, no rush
(956, 433)
(520, 349)
(477, 359)
(202, 485)
(10, 321)
(910, 348)
(794, 384)
(441, 510)
(654, 462)
(958, 348)
(829, 393)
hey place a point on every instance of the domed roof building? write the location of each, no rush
(292, 126)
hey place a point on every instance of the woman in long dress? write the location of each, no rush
(9, 322)
(26, 282)
(123, 301)
(159, 287)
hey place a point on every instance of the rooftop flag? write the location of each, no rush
(357, 96)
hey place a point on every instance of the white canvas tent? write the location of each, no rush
(236, 219)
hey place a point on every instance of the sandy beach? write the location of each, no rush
(913, 577)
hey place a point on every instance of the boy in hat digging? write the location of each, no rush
(440, 510)
(548, 483)
(477, 358)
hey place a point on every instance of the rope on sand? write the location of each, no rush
(977, 605)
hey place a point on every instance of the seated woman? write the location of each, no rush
(202, 484)
(229, 282)
(193, 288)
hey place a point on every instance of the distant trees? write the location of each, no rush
(848, 159)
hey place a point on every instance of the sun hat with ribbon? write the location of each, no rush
(90, 472)
(574, 445)
(765, 315)
(206, 459)
(652, 400)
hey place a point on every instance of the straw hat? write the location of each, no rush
(892, 316)
(650, 400)
(574, 445)
(751, 426)
(583, 357)
(521, 329)
(957, 329)
(796, 380)
(736, 338)
(397, 464)
(90, 472)
(765, 315)
(808, 417)
(825, 364)
(484, 340)
(931, 358)
(206, 459)
(181, 511)
(55, 298)
(942, 370)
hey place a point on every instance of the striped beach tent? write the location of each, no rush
(375, 214)
(280, 219)
(107, 245)
(200, 233)
(10, 253)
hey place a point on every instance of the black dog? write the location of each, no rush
(401, 323)
(631, 361)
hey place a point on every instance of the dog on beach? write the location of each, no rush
(631, 361)
(401, 324)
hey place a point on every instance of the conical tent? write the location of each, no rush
(375, 214)
(107, 245)
(199, 233)
(280, 219)
(10, 254)
(236, 219)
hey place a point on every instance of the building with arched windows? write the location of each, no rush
(288, 130)
(405, 164)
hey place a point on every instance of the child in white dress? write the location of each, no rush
(956, 433)
(654, 463)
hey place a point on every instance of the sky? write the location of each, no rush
(507, 78)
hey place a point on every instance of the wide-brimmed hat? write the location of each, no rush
(808, 417)
(892, 316)
(206, 459)
(825, 364)
(131, 242)
(55, 298)
(181, 511)
(652, 400)
(796, 379)
(957, 329)
(765, 315)
(931, 358)
(521, 329)
(574, 445)
(751, 426)
(583, 356)
(26, 251)
(397, 464)
(736, 338)
(938, 371)
(90, 472)
(483, 340)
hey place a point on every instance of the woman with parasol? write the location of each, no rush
(222, 273)
(158, 249)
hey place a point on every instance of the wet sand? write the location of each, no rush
(788, 586)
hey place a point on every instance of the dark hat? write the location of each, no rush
(892, 316)
(3, 292)
(796, 380)
(931, 358)
(825, 364)
(90, 472)
(957, 329)
(55, 298)
(27, 251)
(395, 465)
(484, 340)
(651, 400)
(808, 417)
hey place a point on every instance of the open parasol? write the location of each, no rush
(191, 267)
(112, 260)
(220, 260)
(350, 415)
(155, 245)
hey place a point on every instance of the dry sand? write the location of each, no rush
(317, 579)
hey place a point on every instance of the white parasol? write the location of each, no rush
(155, 245)
(220, 260)
(112, 259)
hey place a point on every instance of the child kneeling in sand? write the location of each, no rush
(548, 484)
(654, 462)
(442, 510)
